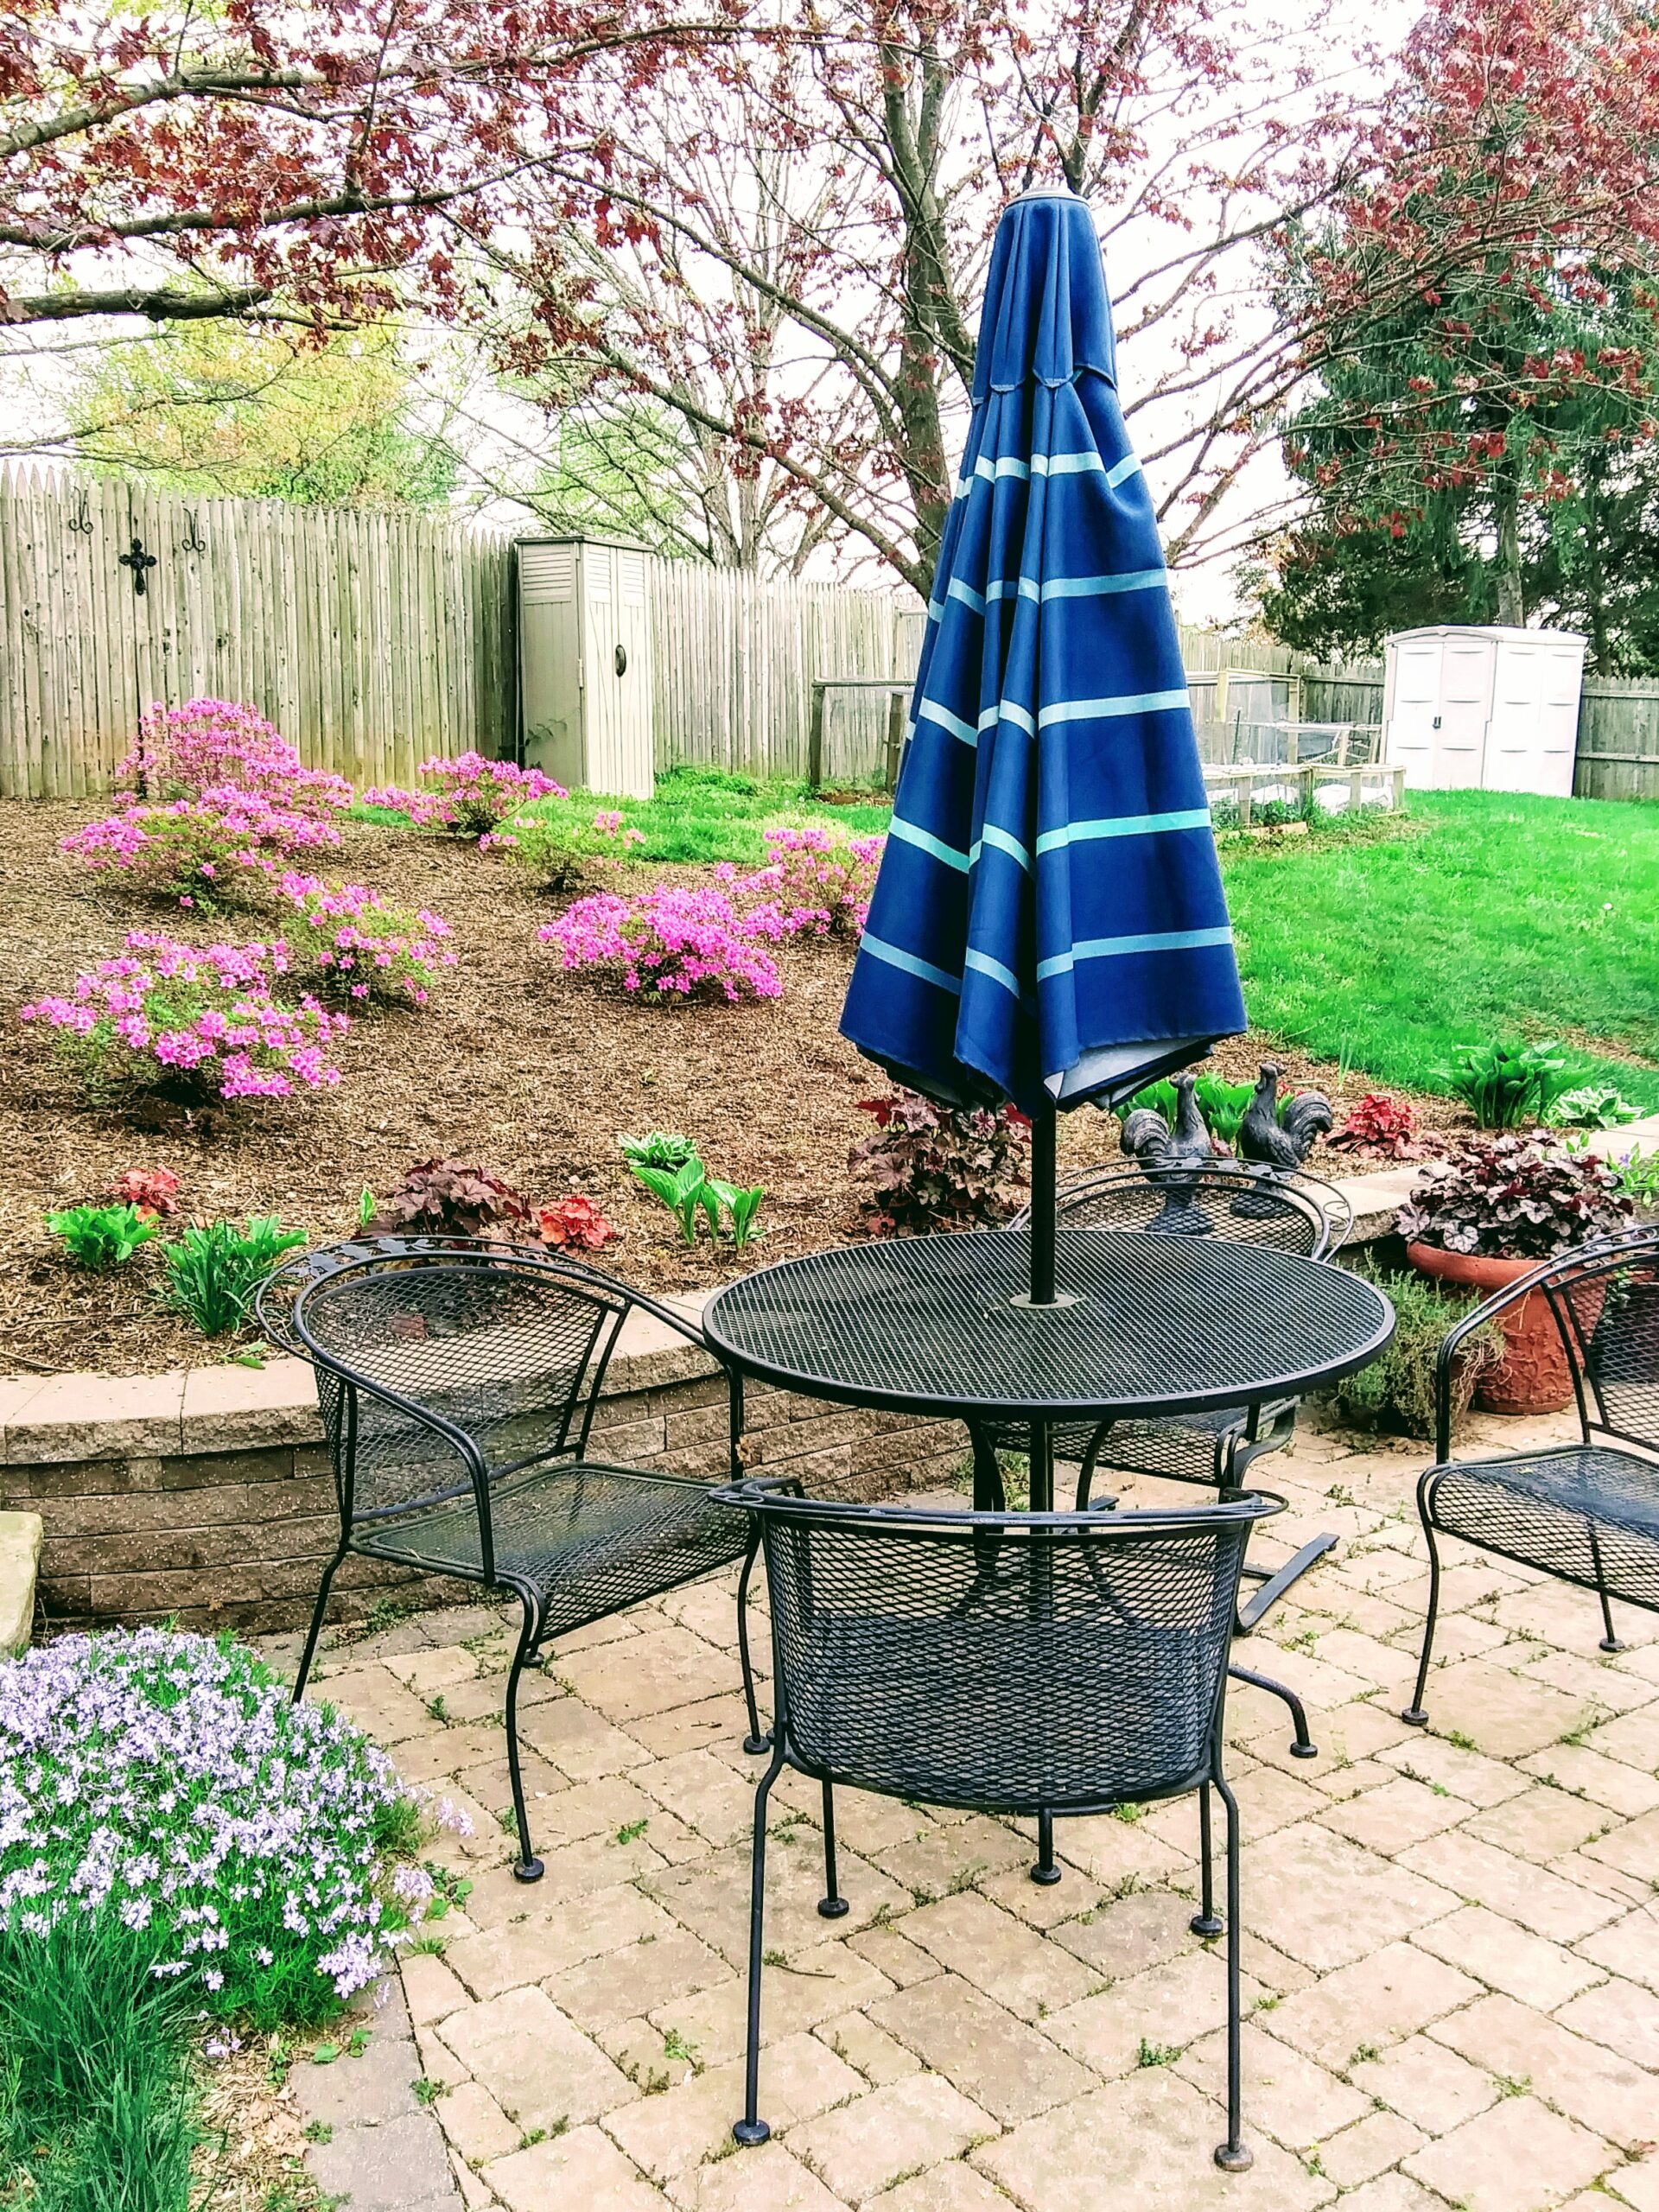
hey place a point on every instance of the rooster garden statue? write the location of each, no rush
(1269, 1137)
(1171, 1158)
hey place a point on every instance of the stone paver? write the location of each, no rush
(1450, 1937)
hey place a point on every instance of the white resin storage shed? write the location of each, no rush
(1483, 709)
(584, 663)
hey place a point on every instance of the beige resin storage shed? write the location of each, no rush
(1483, 709)
(584, 663)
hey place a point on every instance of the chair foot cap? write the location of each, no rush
(1415, 1716)
(757, 1747)
(1612, 1644)
(1206, 1924)
(1045, 1877)
(1304, 1750)
(833, 1908)
(529, 1869)
(750, 2132)
(1235, 2158)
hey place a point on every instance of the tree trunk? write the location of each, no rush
(1511, 601)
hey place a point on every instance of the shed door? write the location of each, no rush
(618, 665)
(1412, 740)
(550, 670)
(1533, 736)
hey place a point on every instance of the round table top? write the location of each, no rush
(1156, 1324)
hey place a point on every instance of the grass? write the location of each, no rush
(1503, 916)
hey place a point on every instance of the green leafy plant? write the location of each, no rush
(660, 1148)
(679, 1189)
(1396, 1392)
(100, 1238)
(1504, 1086)
(741, 1208)
(1592, 1106)
(1637, 1176)
(214, 1268)
(689, 1192)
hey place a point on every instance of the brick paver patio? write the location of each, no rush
(1451, 1947)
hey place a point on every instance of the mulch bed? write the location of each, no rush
(515, 1064)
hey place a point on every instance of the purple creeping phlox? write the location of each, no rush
(201, 851)
(823, 880)
(195, 1021)
(361, 948)
(169, 1779)
(675, 941)
(183, 752)
(469, 794)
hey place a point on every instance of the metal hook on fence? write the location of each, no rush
(193, 541)
(81, 521)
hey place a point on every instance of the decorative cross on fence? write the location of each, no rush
(138, 561)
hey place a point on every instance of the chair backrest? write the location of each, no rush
(1604, 1299)
(293, 1275)
(507, 1351)
(1290, 1213)
(1001, 1662)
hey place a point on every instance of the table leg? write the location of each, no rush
(989, 1494)
(1042, 1467)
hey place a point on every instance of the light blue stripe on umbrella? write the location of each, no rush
(1049, 903)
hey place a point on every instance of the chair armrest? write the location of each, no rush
(1488, 1310)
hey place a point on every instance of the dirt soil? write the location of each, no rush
(515, 1064)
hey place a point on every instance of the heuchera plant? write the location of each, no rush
(574, 1223)
(169, 1779)
(359, 947)
(674, 941)
(469, 794)
(152, 1190)
(1383, 1123)
(559, 854)
(1515, 1198)
(205, 744)
(448, 1197)
(934, 1166)
(822, 880)
(194, 1022)
(221, 844)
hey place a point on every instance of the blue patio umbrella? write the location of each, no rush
(1048, 923)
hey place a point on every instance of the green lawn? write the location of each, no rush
(701, 814)
(1505, 917)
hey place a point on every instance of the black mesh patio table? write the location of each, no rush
(1147, 1326)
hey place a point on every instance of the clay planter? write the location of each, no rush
(1533, 1376)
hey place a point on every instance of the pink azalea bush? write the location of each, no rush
(823, 879)
(675, 942)
(560, 854)
(359, 947)
(209, 744)
(469, 794)
(224, 843)
(194, 1022)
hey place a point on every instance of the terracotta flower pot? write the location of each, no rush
(1533, 1376)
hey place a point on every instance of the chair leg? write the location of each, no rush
(529, 1868)
(1203, 1921)
(1302, 1746)
(1046, 1871)
(751, 2128)
(831, 1904)
(1417, 1713)
(756, 1741)
(1235, 2155)
(1610, 1641)
(315, 1630)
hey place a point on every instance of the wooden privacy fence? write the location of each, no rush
(370, 641)
(1619, 738)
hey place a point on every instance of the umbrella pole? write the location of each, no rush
(1043, 1286)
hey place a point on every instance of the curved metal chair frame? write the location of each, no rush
(1025, 1664)
(458, 1380)
(1587, 1513)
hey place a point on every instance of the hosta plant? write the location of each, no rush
(222, 846)
(658, 1148)
(1383, 1123)
(468, 795)
(101, 1237)
(692, 1194)
(674, 943)
(193, 1023)
(821, 880)
(447, 1197)
(932, 1166)
(214, 1269)
(561, 854)
(1504, 1086)
(1515, 1198)
(357, 947)
(168, 1782)
(182, 752)
(574, 1223)
(1592, 1106)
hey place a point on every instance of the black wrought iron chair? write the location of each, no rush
(458, 1384)
(1024, 1664)
(1588, 1512)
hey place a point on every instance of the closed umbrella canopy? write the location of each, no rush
(1048, 923)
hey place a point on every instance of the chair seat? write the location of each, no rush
(588, 1539)
(1570, 1510)
(965, 1711)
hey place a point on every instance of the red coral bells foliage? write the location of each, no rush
(152, 1190)
(1383, 1123)
(574, 1223)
